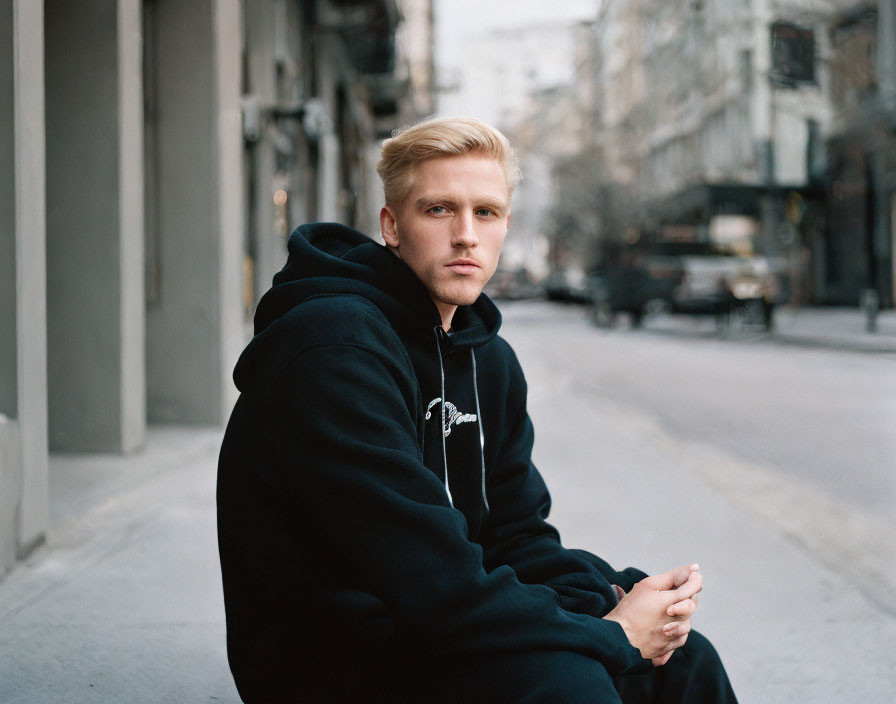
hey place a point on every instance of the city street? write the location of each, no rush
(730, 160)
(769, 464)
(811, 424)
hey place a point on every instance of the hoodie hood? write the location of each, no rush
(329, 258)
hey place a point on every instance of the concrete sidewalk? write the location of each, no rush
(833, 328)
(842, 328)
(123, 603)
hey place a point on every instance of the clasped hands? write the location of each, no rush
(656, 613)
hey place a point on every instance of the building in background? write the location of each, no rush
(325, 82)
(523, 80)
(858, 253)
(760, 126)
(154, 156)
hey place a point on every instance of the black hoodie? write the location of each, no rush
(380, 520)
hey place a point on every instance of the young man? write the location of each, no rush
(381, 526)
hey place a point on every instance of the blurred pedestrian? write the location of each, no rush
(382, 528)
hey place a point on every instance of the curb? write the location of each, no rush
(869, 346)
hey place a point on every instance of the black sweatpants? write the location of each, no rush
(693, 675)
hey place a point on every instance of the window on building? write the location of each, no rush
(852, 69)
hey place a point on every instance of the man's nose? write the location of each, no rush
(464, 234)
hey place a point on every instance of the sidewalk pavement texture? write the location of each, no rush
(123, 603)
(835, 328)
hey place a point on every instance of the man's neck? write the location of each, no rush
(447, 312)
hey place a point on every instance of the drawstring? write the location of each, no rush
(442, 427)
(438, 330)
(481, 429)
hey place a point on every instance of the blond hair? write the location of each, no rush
(440, 137)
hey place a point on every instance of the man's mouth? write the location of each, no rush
(463, 266)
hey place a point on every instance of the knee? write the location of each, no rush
(698, 649)
(544, 677)
(701, 673)
(562, 677)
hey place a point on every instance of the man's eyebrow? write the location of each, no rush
(497, 205)
(428, 200)
(425, 201)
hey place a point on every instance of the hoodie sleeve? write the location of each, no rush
(345, 418)
(517, 533)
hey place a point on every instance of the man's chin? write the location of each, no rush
(456, 295)
(467, 298)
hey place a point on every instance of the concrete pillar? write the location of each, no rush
(10, 470)
(10, 492)
(885, 61)
(23, 387)
(762, 101)
(8, 392)
(194, 329)
(886, 77)
(892, 202)
(267, 247)
(95, 225)
(328, 142)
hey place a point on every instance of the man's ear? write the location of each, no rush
(388, 226)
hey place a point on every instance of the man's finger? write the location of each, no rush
(678, 642)
(693, 585)
(662, 659)
(683, 608)
(620, 593)
(676, 629)
(671, 579)
(681, 574)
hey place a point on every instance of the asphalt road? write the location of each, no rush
(823, 417)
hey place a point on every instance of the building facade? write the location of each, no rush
(724, 119)
(155, 155)
(523, 80)
(858, 254)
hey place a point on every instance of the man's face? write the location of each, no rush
(450, 227)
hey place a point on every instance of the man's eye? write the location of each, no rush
(484, 212)
(437, 209)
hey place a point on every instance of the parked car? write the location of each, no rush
(567, 285)
(689, 278)
(512, 285)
